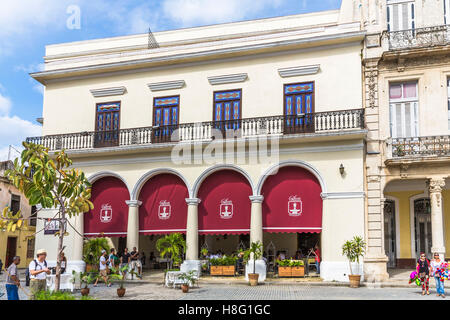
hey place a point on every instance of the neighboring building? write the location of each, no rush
(407, 76)
(295, 81)
(18, 243)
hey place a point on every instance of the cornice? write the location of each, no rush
(298, 71)
(106, 92)
(231, 78)
(168, 85)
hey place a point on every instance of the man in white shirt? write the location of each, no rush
(103, 267)
(38, 273)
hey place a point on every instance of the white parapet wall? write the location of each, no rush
(339, 270)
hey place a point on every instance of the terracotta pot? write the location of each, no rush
(185, 288)
(121, 292)
(253, 278)
(85, 291)
(354, 280)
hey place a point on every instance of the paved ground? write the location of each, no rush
(304, 291)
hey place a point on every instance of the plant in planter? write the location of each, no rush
(353, 250)
(92, 251)
(85, 278)
(119, 274)
(216, 266)
(204, 252)
(254, 252)
(188, 279)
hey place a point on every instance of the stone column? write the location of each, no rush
(256, 234)
(192, 261)
(437, 228)
(256, 228)
(133, 224)
(192, 229)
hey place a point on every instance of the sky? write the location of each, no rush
(27, 26)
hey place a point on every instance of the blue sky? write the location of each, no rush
(26, 26)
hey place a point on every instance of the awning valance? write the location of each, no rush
(164, 207)
(292, 202)
(225, 205)
(110, 214)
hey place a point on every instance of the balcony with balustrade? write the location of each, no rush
(421, 38)
(419, 148)
(298, 126)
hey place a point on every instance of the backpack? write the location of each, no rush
(36, 264)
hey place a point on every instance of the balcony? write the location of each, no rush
(314, 123)
(418, 147)
(418, 38)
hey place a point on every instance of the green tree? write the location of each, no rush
(173, 246)
(50, 182)
(254, 252)
(353, 250)
(92, 250)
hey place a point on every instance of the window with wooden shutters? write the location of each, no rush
(15, 203)
(446, 11)
(165, 118)
(404, 109)
(299, 107)
(107, 124)
(227, 110)
(400, 15)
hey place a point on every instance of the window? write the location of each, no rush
(165, 117)
(404, 107)
(30, 248)
(15, 203)
(33, 216)
(446, 11)
(227, 110)
(400, 15)
(299, 107)
(107, 124)
(448, 102)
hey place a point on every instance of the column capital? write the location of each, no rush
(193, 201)
(436, 185)
(133, 203)
(256, 199)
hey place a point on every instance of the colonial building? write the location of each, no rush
(230, 133)
(18, 242)
(407, 80)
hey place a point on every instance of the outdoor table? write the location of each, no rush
(65, 282)
(172, 278)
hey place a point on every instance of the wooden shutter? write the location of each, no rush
(401, 15)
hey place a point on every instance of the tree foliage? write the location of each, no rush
(354, 249)
(173, 246)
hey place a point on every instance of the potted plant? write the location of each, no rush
(353, 250)
(173, 246)
(216, 266)
(298, 268)
(229, 265)
(92, 251)
(188, 279)
(284, 268)
(119, 274)
(254, 252)
(204, 252)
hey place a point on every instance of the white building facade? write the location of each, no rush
(228, 134)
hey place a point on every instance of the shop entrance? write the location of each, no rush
(422, 223)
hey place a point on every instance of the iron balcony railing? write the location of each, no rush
(418, 38)
(204, 131)
(421, 146)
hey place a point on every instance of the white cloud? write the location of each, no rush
(5, 105)
(196, 12)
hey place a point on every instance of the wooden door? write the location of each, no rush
(11, 248)
(299, 108)
(227, 111)
(107, 126)
(165, 118)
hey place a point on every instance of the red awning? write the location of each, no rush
(292, 202)
(164, 207)
(110, 214)
(225, 205)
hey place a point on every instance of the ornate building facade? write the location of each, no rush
(406, 93)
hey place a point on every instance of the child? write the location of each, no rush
(423, 269)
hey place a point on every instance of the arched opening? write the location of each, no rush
(292, 215)
(163, 211)
(109, 217)
(224, 212)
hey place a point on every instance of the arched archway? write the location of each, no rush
(224, 211)
(164, 207)
(110, 214)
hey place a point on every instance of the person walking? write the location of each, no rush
(12, 280)
(135, 262)
(114, 259)
(423, 269)
(436, 264)
(103, 267)
(125, 259)
(38, 273)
